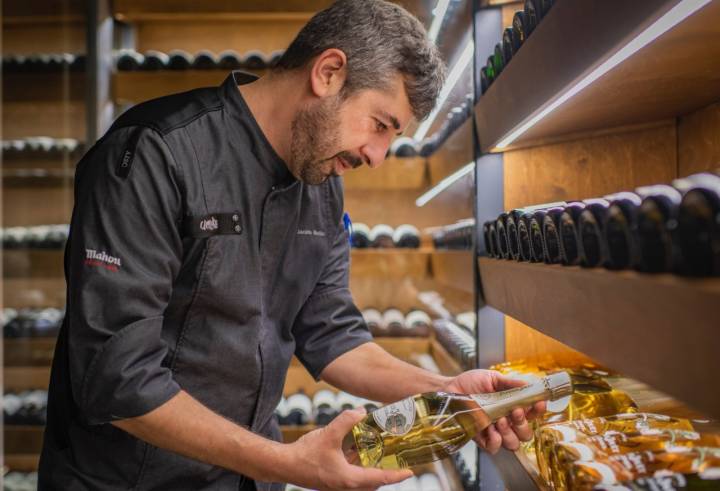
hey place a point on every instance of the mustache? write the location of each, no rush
(351, 159)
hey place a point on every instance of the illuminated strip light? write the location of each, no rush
(672, 18)
(438, 17)
(465, 58)
(444, 184)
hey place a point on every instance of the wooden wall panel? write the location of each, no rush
(54, 119)
(48, 35)
(508, 12)
(591, 167)
(699, 141)
(453, 155)
(524, 342)
(36, 206)
(266, 34)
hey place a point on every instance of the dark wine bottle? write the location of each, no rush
(520, 28)
(484, 83)
(255, 60)
(180, 60)
(538, 247)
(568, 233)
(508, 44)
(523, 235)
(620, 230)
(417, 323)
(404, 147)
(374, 320)
(393, 321)
(155, 60)
(697, 236)
(129, 61)
(487, 239)
(533, 15)
(590, 227)
(406, 236)
(360, 236)
(490, 70)
(656, 222)
(502, 237)
(381, 236)
(325, 406)
(229, 60)
(299, 409)
(511, 231)
(545, 6)
(205, 60)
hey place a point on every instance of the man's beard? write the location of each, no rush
(316, 133)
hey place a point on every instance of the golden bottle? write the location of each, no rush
(706, 480)
(431, 426)
(606, 429)
(591, 473)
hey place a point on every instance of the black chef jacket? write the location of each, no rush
(196, 262)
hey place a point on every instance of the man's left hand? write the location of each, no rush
(508, 431)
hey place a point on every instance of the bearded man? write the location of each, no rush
(192, 280)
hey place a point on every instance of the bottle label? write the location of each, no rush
(496, 397)
(397, 418)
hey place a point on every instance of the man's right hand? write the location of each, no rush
(316, 460)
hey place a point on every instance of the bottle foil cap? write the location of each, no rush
(560, 387)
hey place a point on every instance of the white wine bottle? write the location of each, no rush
(434, 425)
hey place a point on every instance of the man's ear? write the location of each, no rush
(328, 73)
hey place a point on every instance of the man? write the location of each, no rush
(192, 279)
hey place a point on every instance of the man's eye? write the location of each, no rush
(380, 126)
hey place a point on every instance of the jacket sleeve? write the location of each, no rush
(329, 324)
(124, 251)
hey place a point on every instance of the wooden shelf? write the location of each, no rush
(26, 378)
(394, 174)
(135, 87)
(49, 87)
(445, 362)
(23, 439)
(390, 262)
(28, 351)
(33, 263)
(660, 329)
(22, 462)
(675, 74)
(454, 269)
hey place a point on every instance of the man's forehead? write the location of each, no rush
(393, 105)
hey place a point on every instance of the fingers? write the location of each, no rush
(509, 438)
(537, 410)
(489, 439)
(343, 424)
(520, 425)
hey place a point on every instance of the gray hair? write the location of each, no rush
(379, 38)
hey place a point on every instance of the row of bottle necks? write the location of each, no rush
(654, 229)
(458, 235)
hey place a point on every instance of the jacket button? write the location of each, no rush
(238, 228)
(235, 218)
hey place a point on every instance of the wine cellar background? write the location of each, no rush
(653, 118)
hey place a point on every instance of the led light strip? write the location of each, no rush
(444, 184)
(463, 62)
(677, 14)
(438, 17)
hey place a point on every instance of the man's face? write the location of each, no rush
(335, 135)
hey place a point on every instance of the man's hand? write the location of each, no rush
(506, 432)
(317, 461)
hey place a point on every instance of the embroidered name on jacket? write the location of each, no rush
(95, 258)
(209, 224)
(315, 233)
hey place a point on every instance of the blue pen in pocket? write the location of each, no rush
(348, 226)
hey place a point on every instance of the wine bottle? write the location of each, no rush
(404, 147)
(520, 27)
(360, 236)
(589, 468)
(499, 60)
(511, 230)
(393, 322)
(523, 234)
(485, 82)
(490, 70)
(406, 236)
(255, 60)
(431, 426)
(591, 251)
(537, 237)
(508, 45)
(205, 60)
(179, 60)
(697, 236)
(491, 244)
(569, 236)
(656, 222)
(129, 60)
(706, 480)
(326, 406)
(486, 239)
(347, 401)
(502, 237)
(155, 60)
(299, 409)
(533, 14)
(229, 60)
(381, 236)
(417, 323)
(374, 320)
(620, 230)
(545, 6)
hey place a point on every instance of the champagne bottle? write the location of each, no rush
(590, 468)
(620, 230)
(569, 236)
(533, 14)
(552, 244)
(502, 238)
(590, 232)
(508, 44)
(656, 222)
(520, 27)
(705, 480)
(697, 235)
(431, 426)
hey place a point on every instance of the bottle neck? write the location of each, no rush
(499, 404)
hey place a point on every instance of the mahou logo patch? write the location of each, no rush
(102, 259)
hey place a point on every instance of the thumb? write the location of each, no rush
(343, 424)
(503, 382)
